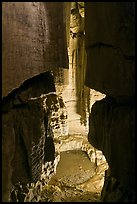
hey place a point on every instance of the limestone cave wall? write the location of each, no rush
(110, 47)
(78, 97)
(48, 108)
(35, 39)
(30, 33)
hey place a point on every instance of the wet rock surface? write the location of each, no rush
(77, 179)
(77, 168)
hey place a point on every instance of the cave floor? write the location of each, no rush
(77, 179)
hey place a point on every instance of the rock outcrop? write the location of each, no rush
(110, 47)
(110, 43)
(29, 127)
(34, 41)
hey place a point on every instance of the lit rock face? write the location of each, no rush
(33, 118)
(30, 44)
(77, 97)
(57, 114)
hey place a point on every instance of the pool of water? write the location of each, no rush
(74, 168)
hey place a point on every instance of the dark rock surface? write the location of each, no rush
(115, 138)
(33, 41)
(110, 47)
(28, 132)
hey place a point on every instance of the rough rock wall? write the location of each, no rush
(27, 135)
(114, 137)
(112, 37)
(110, 44)
(33, 41)
(33, 124)
(76, 95)
(77, 47)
